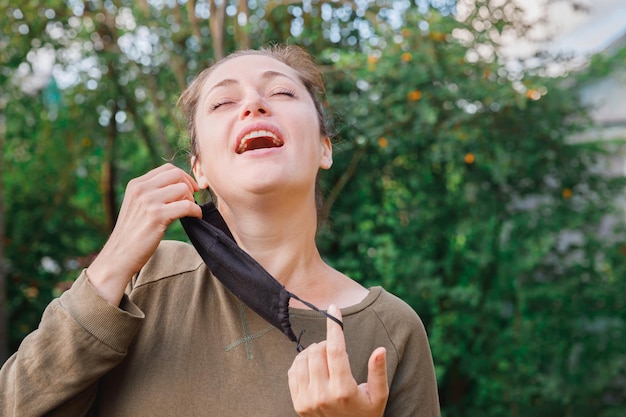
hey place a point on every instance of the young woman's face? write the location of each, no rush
(258, 130)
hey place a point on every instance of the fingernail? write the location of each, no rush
(332, 309)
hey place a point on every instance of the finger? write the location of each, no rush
(292, 379)
(301, 371)
(191, 181)
(151, 206)
(174, 175)
(338, 365)
(377, 383)
(172, 192)
(155, 172)
(181, 208)
(317, 366)
(158, 178)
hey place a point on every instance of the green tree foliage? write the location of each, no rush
(469, 201)
(455, 185)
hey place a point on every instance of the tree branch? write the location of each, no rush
(216, 26)
(108, 172)
(243, 36)
(344, 179)
(4, 329)
(193, 21)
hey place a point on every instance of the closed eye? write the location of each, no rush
(283, 91)
(220, 103)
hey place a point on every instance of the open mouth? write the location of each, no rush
(258, 139)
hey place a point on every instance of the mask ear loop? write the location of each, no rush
(212, 198)
(299, 346)
(192, 164)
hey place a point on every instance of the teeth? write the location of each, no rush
(258, 134)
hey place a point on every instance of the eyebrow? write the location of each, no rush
(224, 83)
(273, 74)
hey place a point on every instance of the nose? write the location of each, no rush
(254, 105)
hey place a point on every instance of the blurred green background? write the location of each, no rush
(458, 183)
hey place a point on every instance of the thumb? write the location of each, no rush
(377, 384)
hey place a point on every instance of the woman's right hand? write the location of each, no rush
(150, 204)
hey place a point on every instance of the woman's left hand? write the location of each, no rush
(321, 382)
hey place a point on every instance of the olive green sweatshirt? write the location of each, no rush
(180, 344)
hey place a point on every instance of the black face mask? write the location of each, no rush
(241, 274)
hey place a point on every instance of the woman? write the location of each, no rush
(147, 330)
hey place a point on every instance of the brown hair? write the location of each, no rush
(291, 55)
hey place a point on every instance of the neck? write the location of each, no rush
(279, 233)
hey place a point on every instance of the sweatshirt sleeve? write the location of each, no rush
(413, 388)
(413, 391)
(56, 368)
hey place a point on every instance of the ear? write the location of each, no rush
(326, 161)
(198, 173)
